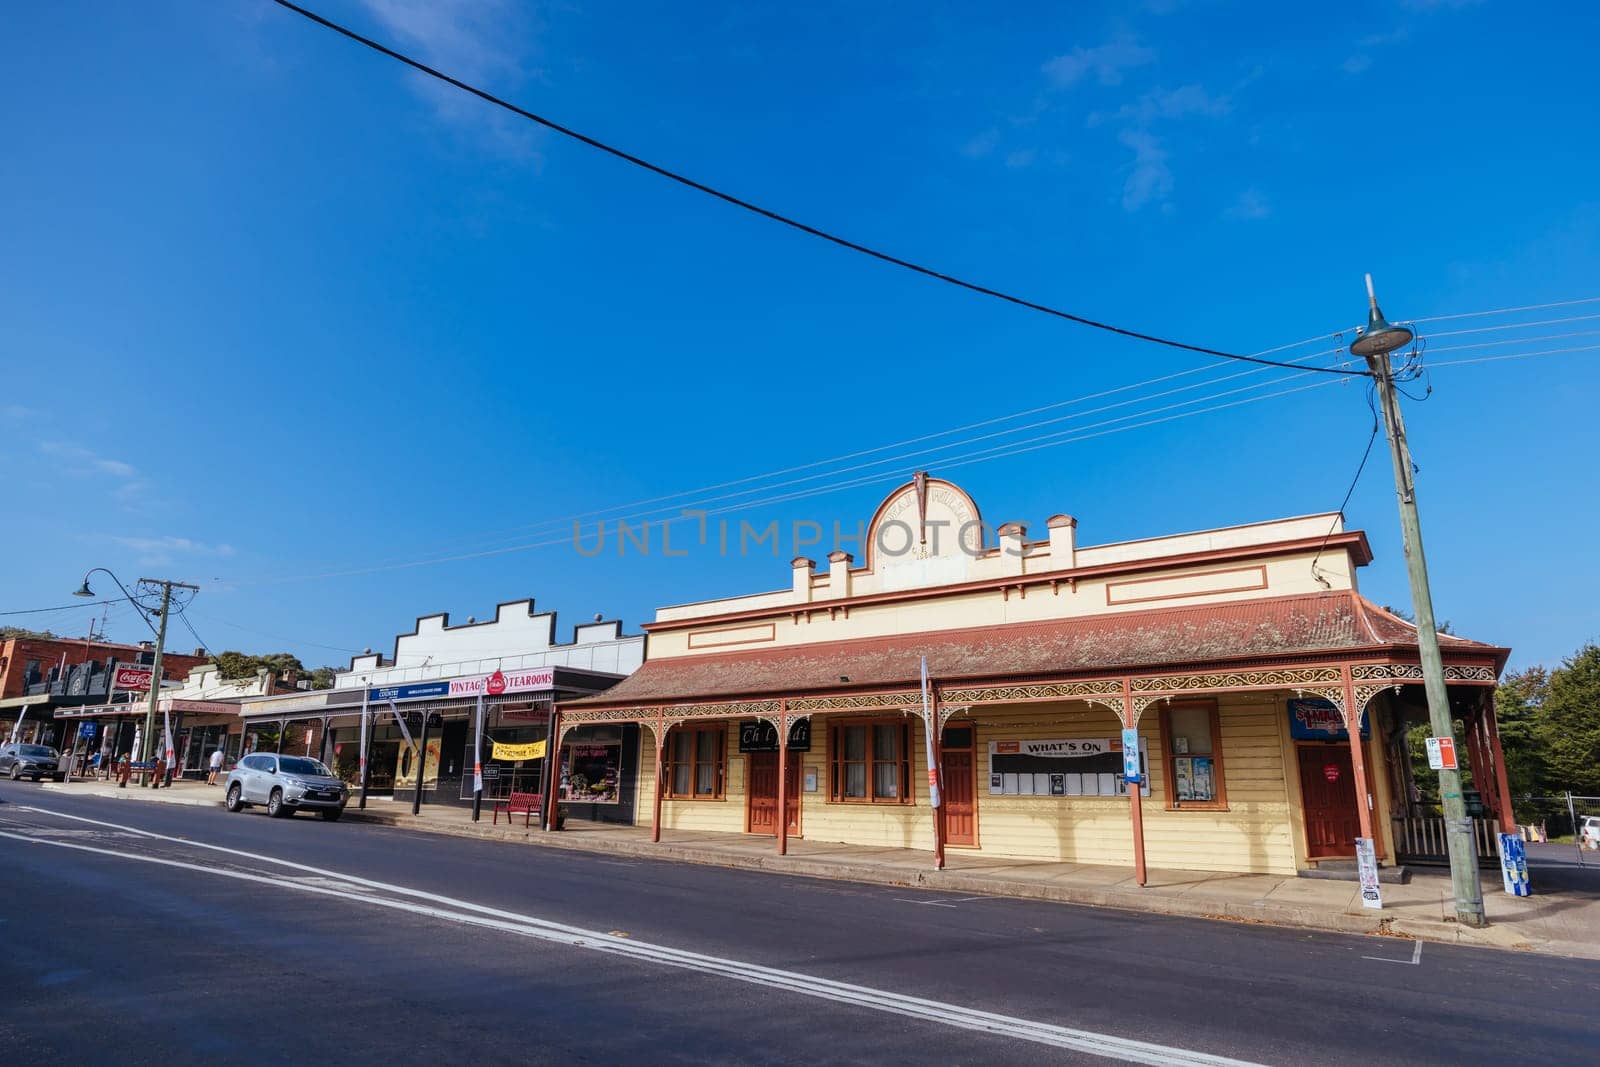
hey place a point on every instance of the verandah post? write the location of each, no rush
(783, 778)
(1508, 817)
(1358, 762)
(655, 807)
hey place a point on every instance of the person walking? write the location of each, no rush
(216, 766)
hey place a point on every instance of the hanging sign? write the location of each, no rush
(136, 678)
(1320, 720)
(1442, 753)
(513, 753)
(1514, 865)
(1130, 755)
(1367, 862)
(409, 692)
(499, 683)
(759, 735)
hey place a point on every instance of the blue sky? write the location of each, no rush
(271, 306)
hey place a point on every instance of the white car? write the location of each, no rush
(1589, 832)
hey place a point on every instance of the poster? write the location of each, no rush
(1367, 863)
(1056, 767)
(592, 773)
(405, 767)
(1514, 866)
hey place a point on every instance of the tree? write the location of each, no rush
(1569, 723)
(1518, 704)
(8, 632)
(237, 665)
(322, 678)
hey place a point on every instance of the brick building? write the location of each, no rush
(43, 674)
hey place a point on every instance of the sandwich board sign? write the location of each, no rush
(1367, 862)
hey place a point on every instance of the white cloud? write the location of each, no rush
(1107, 62)
(1249, 206)
(1186, 101)
(162, 550)
(1150, 180)
(1023, 157)
(1359, 63)
(17, 411)
(487, 43)
(981, 145)
(83, 461)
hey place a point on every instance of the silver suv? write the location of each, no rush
(285, 784)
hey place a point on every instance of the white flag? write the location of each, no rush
(361, 772)
(931, 726)
(166, 734)
(400, 721)
(477, 751)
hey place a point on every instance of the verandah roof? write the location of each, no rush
(1263, 629)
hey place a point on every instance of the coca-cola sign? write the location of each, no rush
(132, 678)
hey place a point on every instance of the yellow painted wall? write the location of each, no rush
(1256, 833)
(726, 814)
(1253, 835)
(881, 825)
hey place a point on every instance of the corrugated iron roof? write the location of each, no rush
(1267, 628)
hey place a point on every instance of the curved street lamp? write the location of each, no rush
(1375, 344)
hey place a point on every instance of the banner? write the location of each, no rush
(513, 753)
(400, 721)
(930, 728)
(477, 751)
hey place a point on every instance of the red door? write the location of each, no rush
(960, 786)
(1328, 793)
(762, 817)
(960, 809)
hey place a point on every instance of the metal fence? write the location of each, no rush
(1562, 816)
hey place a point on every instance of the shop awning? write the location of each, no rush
(1264, 629)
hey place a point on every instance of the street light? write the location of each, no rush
(1379, 338)
(148, 587)
(1375, 344)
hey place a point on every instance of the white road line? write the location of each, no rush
(1416, 956)
(467, 913)
(930, 903)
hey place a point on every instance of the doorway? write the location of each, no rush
(762, 815)
(1327, 792)
(960, 787)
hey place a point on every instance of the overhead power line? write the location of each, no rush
(67, 607)
(779, 217)
(525, 530)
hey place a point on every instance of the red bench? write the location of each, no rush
(525, 804)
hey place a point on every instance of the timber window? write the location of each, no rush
(1193, 739)
(697, 762)
(870, 762)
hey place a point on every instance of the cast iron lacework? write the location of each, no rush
(1412, 672)
(859, 702)
(749, 709)
(610, 715)
(1008, 694)
(1283, 678)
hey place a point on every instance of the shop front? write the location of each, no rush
(1181, 702)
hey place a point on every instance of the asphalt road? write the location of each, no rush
(127, 947)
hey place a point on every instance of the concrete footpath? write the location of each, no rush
(1562, 917)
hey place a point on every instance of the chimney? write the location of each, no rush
(839, 573)
(1063, 542)
(803, 569)
(1013, 538)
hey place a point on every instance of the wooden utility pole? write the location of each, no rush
(1375, 344)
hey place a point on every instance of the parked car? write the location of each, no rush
(31, 761)
(285, 784)
(1589, 831)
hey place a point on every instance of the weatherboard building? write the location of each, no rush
(1235, 659)
(421, 705)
